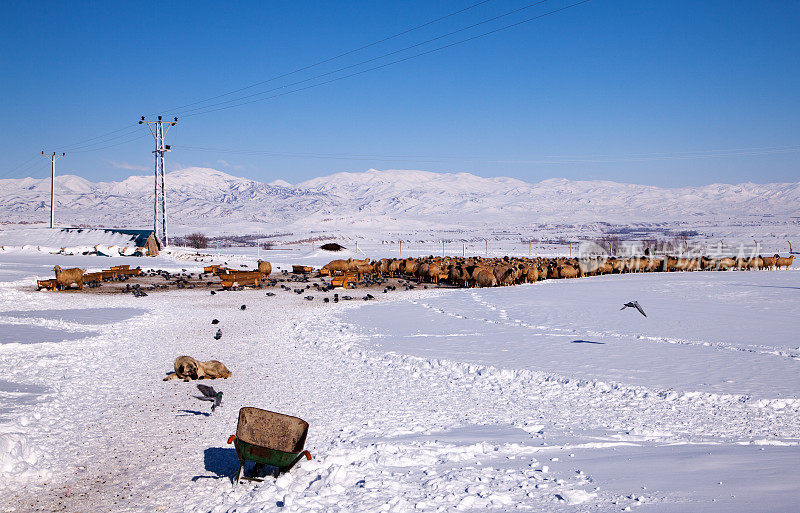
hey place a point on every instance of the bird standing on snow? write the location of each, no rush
(209, 394)
(634, 304)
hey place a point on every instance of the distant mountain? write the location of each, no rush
(390, 200)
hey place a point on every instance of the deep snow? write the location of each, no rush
(514, 415)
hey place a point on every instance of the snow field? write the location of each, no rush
(453, 427)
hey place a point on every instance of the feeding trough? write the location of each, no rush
(268, 438)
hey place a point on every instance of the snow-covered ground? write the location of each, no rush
(544, 397)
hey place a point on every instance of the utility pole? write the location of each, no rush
(53, 157)
(159, 129)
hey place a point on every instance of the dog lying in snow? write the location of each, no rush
(187, 368)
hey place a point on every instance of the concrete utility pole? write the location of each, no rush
(159, 129)
(53, 157)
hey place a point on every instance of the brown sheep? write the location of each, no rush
(531, 274)
(457, 275)
(381, 266)
(66, 278)
(336, 266)
(394, 267)
(484, 278)
(410, 267)
(618, 265)
(264, 268)
(352, 263)
(754, 263)
(567, 271)
(364, 269)
(783, 262)
(504, 274)
(687, 264)
(726, 263)
(768, 262)
(655, 264)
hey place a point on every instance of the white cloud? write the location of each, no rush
(229, 165)
(125, 165)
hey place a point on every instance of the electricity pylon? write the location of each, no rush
(159, 129)
(53, 157)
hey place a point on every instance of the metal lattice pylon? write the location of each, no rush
(159, 129)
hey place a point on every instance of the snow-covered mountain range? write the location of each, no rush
(392, 199)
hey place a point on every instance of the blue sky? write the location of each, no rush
(663, 93)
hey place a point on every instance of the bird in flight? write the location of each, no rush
(634, 304)
(209, 394)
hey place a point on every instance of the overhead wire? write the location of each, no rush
(326, 60)
(20, 167)
(700, 154)
(372, 59)
(82, 143)
(138, 137)
(384, 65)
(99, 142)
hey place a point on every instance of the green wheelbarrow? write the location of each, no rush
(268, 438)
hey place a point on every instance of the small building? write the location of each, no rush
(107, 241)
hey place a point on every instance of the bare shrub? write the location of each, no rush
(197, 240)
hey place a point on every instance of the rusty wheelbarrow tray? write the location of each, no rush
(268, 438)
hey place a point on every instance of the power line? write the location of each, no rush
(125, 134)
(112, 145)
(81, 143)
(703, 154)
(373, 59)
(20, 167)
(83, 147)
(329, 59)
(101, 136)
(484, 34)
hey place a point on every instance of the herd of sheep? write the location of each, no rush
(491, 272)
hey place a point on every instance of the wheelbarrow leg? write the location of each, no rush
(239, 472)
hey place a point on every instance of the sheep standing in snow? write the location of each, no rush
(66, 278)
(264, 268)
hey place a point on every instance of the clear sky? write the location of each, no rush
(664, 93)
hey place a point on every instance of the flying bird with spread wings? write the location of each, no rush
(209, 394)
(634, 304)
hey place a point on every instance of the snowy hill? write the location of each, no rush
(390, 199)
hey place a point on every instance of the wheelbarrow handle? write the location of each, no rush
(231, 439)
(299, 456)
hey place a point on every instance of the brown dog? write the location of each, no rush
(187, 368)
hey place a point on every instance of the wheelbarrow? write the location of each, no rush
(268, 438)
